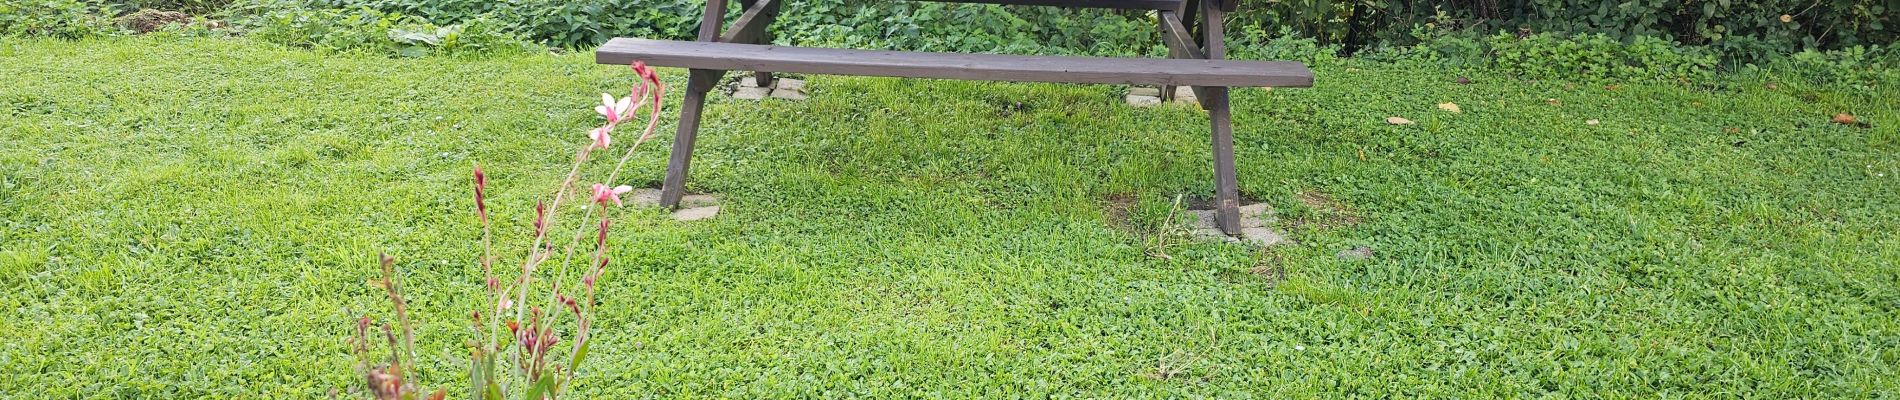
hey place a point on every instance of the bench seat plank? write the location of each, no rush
(990, 67)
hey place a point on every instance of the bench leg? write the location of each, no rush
(674, 187)
(1226, 180)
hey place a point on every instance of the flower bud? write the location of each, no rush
(540, 218)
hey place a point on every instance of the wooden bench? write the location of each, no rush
(1195, 45)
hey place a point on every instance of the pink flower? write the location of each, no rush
(603, 136)
(602, 193)
(612, 109)
(647, 78)
(602, 241)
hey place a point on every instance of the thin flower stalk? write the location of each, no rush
(515, 351)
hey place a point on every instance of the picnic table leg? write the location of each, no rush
(1226, 180)
(697, 84)
(674, 187)
(1220, 117)
(1186, 14)
(762, 78)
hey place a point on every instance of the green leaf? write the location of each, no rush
(579, 354)
(540, 388)
(476, 378)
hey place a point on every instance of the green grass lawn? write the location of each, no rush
(197, 218)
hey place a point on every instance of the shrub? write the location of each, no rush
(71, 19)
(364, 29)
(148, 20)
(1599, 57)
(1858, 67)
(1287, 45)
(844, 23)
(1437, 46)
(198, 7)
(1742, 31)
(572, 24)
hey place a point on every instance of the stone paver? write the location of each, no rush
(1254, 229)
(1185, 95)
(1142, 101)
(649, 197)
(792, 95)
(1261, 236)
(789, 84)
(695, 214)
(789, 89)
(750, 93)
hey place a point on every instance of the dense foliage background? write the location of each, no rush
(1736, 28)
(1659, 40)
(1739, 29)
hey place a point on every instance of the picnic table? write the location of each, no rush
(1192, 30)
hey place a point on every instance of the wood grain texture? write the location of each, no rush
(751, 25)
(673, 188)
(992, 67)
(1176, 36)
(1180, 45)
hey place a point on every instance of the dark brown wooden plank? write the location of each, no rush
(1125, 4)
(709, 24)
(1226, 179)
(1180, 45)
(674, 187)
(751, 25)
(1214, 40)
(764, 79)
(992, 67)
(1177, 37)
(710, 21)
(1190, 16)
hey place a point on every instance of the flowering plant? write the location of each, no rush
(518, 350)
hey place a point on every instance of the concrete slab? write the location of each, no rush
(789, 84)
(1185, 95)
(648, 197)
(695, 214)
(1142, 101)
(751, 93)
(792, 95)
(1254, 226)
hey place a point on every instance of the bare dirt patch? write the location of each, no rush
(1119, 210)
(1327, 213)
(148, 20)
(1267, 267)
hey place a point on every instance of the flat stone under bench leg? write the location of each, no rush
(781, 88)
